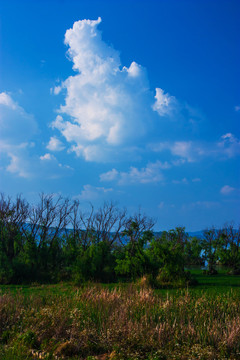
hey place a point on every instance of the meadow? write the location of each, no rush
(122, 321)
(103, 285)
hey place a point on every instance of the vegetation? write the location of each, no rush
(55, 241)
(122, 291)
(131, 322)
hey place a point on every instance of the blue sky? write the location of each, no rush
(132, 101)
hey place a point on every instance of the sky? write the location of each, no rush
(135, 102)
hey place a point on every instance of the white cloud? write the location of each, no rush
(191, 151)
(57, 90)
(237, 108)
(165, 104)
(110, 175)
(201, 205)
(226, 190)
(18, 165)
(16, 124)
(134, 70)
(107, 105)
(22, 163)
(184, 149)
(90, 192)
(182, 181)
(150, 174)
(55, 144)
(18, 130)
(7, 101)
(229, 145)
(47, 157)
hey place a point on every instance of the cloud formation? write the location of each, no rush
(226, 190)
(17, 145)
(107, 105)
(55, 144)
(91, 193)
(16, 124)
(165, 104)
(227, 147)
(152, 173)
(17, 131)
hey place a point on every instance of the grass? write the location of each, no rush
(121, 322)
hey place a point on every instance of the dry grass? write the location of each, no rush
(120, 324)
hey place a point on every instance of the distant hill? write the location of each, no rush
(198, 234)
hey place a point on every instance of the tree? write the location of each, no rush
(13, 215)
(210, 245)
(193, 252)
(133, 261)
(229, 248)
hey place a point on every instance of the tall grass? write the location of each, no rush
(123, 323)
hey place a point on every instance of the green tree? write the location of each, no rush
(168, 260)
(210, 245)
(229, 248)
(193, 252)
(133, 261)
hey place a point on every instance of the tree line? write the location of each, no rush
(54, 240)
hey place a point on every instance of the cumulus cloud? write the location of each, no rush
(16, 124)
(109, 175)
(18, 163)
(90, 192)
(226, 190)
(55, 144)
(6, 100)
(164, 104)
(18, 130)
(47, 157)
(183, 149)
(187, 150)
(152, 173)
(227, 147)
(107, 105)
(23, 163)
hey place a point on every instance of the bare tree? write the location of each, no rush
(137, 225)
(49, 217)
(82, 224)
(109, 222)
(13, 216)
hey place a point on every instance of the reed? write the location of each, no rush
(122, 323)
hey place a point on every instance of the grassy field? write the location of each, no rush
(122, 321)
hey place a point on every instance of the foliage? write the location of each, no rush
(192, 252)
(229, 248)
(54, 241)
(96, 263)
(123, 323)
(133, 260)
(168, 260)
